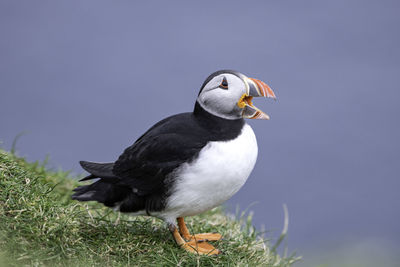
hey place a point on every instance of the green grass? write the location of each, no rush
(41, 225)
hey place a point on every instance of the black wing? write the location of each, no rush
(145, 165)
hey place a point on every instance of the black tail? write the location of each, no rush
(106, 190)
(102, 190)
(99, 170)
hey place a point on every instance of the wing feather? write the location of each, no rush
(146, 164)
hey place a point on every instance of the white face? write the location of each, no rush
(220, 97)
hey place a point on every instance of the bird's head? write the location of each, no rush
(229, 94)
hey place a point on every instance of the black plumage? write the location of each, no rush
(140, 178)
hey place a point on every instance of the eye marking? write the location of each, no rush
(224, 84)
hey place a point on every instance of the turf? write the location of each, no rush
(41, 226)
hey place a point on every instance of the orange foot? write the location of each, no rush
(201, 248)
(198, 237)
(204, 237)
(194, 243)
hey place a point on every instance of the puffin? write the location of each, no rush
(187, 163)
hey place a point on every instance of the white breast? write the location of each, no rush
(220, 171)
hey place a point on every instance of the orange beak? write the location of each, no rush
(255, 88)
(262, 89)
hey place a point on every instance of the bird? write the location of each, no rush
(187, 163)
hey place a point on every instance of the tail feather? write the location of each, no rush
(107, 190)
(105, 193)
(111, 195)
(89, 177)
(100, 170)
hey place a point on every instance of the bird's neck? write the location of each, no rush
(213, 122)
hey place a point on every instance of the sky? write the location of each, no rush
(84, 79)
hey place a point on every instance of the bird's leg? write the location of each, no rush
(193, 246)
(198, 237)
(183, 229)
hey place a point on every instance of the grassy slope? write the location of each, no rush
(40, 225)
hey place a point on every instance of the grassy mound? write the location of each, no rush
(41, 225)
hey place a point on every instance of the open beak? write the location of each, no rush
(255, 88)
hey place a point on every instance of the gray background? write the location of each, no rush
(86, 78)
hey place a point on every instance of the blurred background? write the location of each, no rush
(77, 75)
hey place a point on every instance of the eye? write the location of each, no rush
(224, 84)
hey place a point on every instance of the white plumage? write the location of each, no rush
(216, 175)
